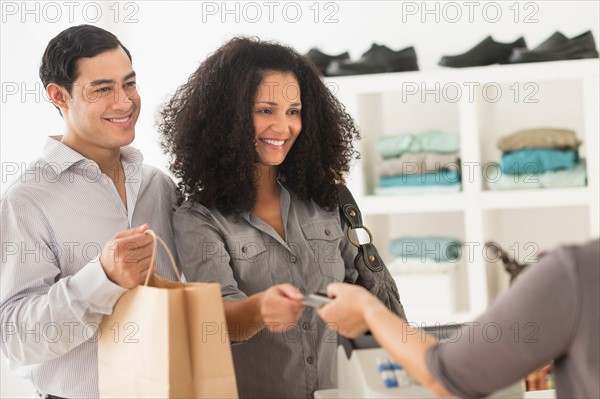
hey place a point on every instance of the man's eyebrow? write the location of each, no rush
(99, 82)
(129, 75)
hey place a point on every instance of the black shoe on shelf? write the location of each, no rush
(557, 48)
(378, 59)
(322, 60)
(487, 52)
(555, 40)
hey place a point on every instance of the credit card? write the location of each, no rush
(316, 300)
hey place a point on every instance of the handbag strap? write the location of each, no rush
(152, 268)
(350, 214)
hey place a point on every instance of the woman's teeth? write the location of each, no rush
(273, 142)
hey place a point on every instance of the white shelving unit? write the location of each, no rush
(553, 94)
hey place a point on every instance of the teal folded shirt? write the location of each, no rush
(440, 249)
(441, 177)
(428, 141)
(573, 177)
(537, 160)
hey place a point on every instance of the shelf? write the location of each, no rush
(380, 103)
(537, 198)
(537, 71)
(411, 203)
(455, 202)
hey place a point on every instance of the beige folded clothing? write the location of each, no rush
(541, 137)
(413, 163)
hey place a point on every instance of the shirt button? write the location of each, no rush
(327, 232)
(306, 326)
(244, 249)
(310, 360)
(105, 182)
(293, 259)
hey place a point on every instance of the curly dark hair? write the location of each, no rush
(207, 129)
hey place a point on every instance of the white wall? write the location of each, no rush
(169, 39)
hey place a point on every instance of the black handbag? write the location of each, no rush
(373, 274)
(512, 266)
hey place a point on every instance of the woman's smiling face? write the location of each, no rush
(276, 116)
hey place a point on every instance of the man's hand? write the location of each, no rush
(125, 258)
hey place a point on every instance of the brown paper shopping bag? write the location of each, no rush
(166, 340)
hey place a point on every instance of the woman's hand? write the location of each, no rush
(347, 311)
(280, 307)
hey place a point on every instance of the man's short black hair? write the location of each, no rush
(59, 63)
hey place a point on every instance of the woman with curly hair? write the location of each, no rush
(259, 144)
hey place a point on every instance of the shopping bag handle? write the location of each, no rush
(157, 240)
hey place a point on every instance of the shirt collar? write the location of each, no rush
(284, 202)
(62, 157)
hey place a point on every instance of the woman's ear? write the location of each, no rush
(58, 95)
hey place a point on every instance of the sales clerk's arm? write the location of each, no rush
(530, 324)
(355, 311)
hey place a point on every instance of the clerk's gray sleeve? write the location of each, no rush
(527, 326)
(42, 313)
(201, 250)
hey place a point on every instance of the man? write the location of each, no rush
(70, 244)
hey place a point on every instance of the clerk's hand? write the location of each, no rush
(280, 307)
(125, 258)
(346, 313)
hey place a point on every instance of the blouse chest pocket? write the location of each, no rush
(249, 262)
(246, 248)
(323, 238)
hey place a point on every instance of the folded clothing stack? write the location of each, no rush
(425, 270)
(538, 158)
(438, 249)
(424, 162)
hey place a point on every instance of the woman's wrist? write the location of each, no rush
(258, 300)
